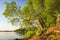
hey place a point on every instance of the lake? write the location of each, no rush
(10, 35)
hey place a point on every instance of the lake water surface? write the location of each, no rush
(10, 35)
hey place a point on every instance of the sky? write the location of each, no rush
(4, 24)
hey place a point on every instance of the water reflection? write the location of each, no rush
(10, 35)
(21, 34)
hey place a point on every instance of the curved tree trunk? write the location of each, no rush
(37, 21)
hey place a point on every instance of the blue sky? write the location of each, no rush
(4, 24)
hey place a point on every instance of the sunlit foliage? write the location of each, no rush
(45, 11)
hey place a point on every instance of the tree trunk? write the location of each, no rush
(39, 24)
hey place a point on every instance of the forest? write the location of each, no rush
(38, 19)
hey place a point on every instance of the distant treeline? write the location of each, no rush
(21, 30)
(24, 30)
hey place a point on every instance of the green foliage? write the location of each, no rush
(29, 34)
(39, 32)
(30, 31)
(11, 9)
(46, 11)
(11, 12)
(21, 30)
(43, 10)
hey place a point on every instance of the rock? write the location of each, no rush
(17, 39)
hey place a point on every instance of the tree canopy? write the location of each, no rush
(46, 11)
(36, 13)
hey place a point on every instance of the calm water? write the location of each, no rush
(9, 35)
